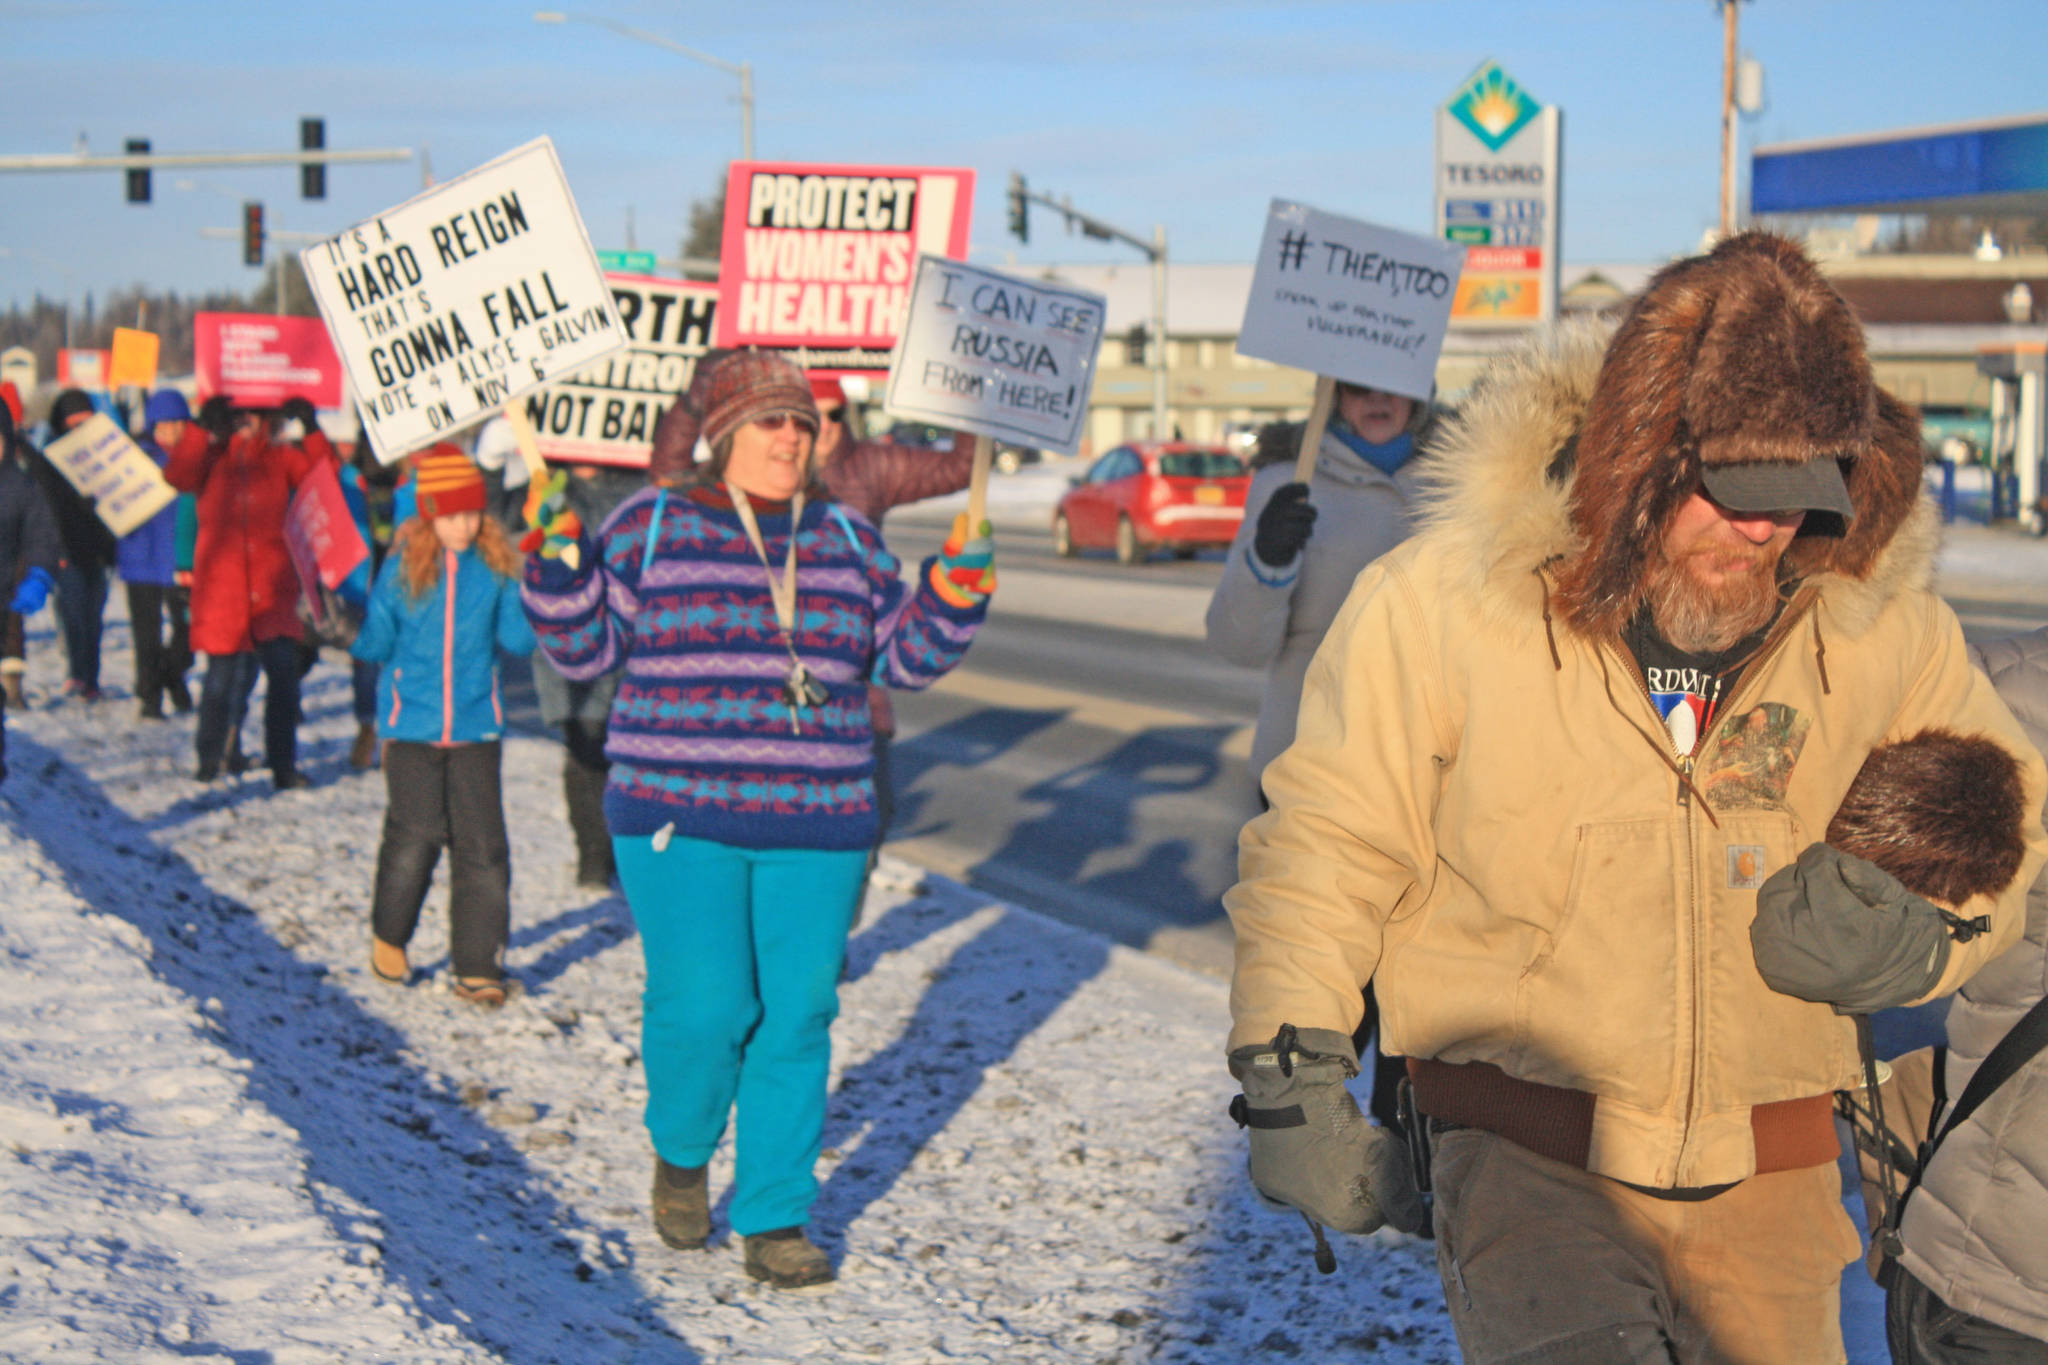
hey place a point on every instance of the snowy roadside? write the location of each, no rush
(230, 1142)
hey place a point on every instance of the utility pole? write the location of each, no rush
(1728, 117)
(1021, 197)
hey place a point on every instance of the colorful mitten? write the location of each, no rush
(964, 573)
(555, 528)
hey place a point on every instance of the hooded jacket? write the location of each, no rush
(28, 529)
(88, 544)
(438, 683)
(244, 588)
(149, 553)
(1261, 617)
(1482, 812)
(1972, 1230)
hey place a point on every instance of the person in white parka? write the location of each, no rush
(1293, 562)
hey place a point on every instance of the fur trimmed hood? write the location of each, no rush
(1572, 452)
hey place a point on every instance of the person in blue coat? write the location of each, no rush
(445, 604)
(147, 560)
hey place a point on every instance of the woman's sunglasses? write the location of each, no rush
(781, 419)
(834, 415)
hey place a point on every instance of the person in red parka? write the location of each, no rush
(245, 594)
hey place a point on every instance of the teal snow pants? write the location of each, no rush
(744, 948)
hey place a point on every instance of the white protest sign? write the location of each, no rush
(1357, 302)
(995, 355)
(463, 298)
(101, 462)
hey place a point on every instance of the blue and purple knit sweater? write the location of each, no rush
(700, 735)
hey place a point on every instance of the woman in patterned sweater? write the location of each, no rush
(741, 800)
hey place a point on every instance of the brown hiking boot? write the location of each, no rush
(362, 754)
(786, 1259)
(682, 1205)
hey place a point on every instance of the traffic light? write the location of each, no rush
(1134, 343)
(312, 174)
(252, 232)
(138, 176)
(1020, 209)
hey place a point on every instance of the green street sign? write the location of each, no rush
(627, 262)
(1471, 234)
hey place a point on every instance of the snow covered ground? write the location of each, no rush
(226, 1141)
(222, 1139)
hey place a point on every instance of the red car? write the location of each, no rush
(1148, 494)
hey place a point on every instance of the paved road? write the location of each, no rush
(1089, 756)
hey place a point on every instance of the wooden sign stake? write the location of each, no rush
(977, 488)
(1312, 434)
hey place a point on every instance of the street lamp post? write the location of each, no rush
(743, 70)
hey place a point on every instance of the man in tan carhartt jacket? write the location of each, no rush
(1672, 594)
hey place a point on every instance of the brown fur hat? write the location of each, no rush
(1940, 811)
(1744, 355)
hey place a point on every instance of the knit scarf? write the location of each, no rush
(1386, 456)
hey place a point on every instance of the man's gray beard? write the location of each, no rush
(1702, 620)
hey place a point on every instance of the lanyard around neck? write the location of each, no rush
(782, 592)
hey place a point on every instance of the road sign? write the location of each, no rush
(1498, 172)
(627, 262)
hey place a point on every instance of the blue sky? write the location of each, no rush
(1189, 114)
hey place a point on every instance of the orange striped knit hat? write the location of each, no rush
(447, 482)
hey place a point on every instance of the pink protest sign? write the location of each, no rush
(259, 360)
(322, 537)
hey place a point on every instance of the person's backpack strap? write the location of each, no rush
(653, 530)
(2021, 1044)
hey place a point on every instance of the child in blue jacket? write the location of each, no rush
(445, 603)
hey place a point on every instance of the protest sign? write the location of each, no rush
(463, 299)
(606, 411)
(321, 536)
(259, 360)
(124, 484)
(821, 257)
(134, 359)
(78, 368)
(1360, 303)
(1348, 301)
(998, 356)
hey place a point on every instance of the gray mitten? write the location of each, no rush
(1310, 1147)
(1841, 931)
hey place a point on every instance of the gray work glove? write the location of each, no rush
(1311, 1148)
(1837, 930)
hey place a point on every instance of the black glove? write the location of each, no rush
(217, 417)
(302, 410)
(1311, 1148)
(1837, 930)
(1284, 524)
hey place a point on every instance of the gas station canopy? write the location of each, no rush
(1992, 166)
